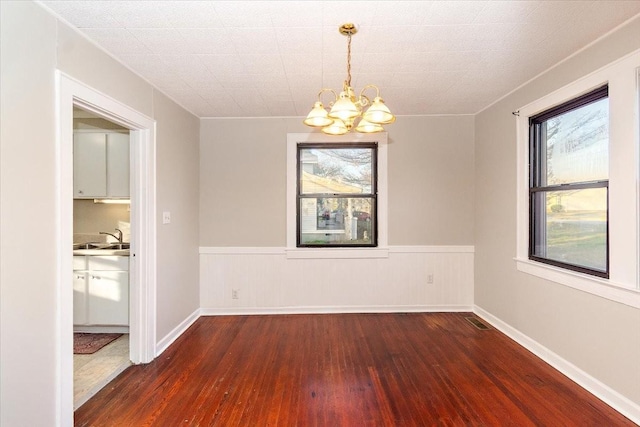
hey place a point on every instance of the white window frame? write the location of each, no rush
(623, 284)
(382, 251)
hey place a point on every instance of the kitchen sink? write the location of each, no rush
(101, 246)
(85, 246)
(118, 246)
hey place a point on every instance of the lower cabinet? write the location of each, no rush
(101, 290)
(80, 297)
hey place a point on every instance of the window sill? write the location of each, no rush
(337, 253)
(594, 285)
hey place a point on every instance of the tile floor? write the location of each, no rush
(91, 372)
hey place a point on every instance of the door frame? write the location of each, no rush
(142, 300)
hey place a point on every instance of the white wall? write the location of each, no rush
(91, 218)
(268, 281)
(243, 177)
(243, 181)
(595, 335)
(27, 213)
(178, 193)
(33, 44)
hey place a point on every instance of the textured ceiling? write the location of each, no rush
(270, 58)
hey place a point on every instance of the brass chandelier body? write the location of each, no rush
(346, 112)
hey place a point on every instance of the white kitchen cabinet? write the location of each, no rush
(108, 298)
(100, 165)
(101, 290)
(80, 297)
(89, 165)
(118, 165)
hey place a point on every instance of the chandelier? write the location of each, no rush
(345, 110)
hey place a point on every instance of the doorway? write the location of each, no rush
(142, 302)
(101, 253)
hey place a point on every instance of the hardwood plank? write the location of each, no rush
(344, 370)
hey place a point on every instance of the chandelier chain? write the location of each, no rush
(349, 61)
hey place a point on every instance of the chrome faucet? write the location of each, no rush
(118, 237)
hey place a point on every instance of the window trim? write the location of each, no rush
(372, 195)
(535, 179)
(623, 284)
(382, 250)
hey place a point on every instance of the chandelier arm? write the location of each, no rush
(324, 90)
(369, 87)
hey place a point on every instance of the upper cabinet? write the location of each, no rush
(117, 165)
(100, 165)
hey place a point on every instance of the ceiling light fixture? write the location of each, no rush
(345, 109)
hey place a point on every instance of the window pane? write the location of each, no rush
(336, 170)
(573, 227)
(577, 145)
(336, 221)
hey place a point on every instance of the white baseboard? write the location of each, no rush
(340, 309)
(600, 390)
(165, 342)
(101, 329)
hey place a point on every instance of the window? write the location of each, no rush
(378, 245)
(614, 271)
(336, 197)
(569, 185)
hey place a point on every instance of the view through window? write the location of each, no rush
(336, 195)
(569, 184)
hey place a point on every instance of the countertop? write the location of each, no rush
(100, 250)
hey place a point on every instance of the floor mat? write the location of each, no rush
(85, 343)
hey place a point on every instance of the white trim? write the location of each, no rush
(99, 329)
(300, 118)
(432, 249)
(624, 201)
(333, 252)
(293, 139)
(603, 392)
(107, 131)
(337, 253)
(64, 303)
(238, 311)
(637, 157)
(143, 260)
(237, 250)
(72, 93)
(176, 332)
(594, 285)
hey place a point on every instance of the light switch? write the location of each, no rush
(166, 217)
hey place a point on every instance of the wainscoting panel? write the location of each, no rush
(266, 280)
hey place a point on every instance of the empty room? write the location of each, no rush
(320, 213)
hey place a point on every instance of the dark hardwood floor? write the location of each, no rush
(432, 369)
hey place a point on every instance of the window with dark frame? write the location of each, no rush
(337, 195)
(569, 185)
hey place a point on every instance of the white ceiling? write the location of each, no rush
(270, 58)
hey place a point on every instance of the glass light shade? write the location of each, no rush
(317, 116)
(379, 113)
(344, 108)
(336, 128)
(368, 127)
